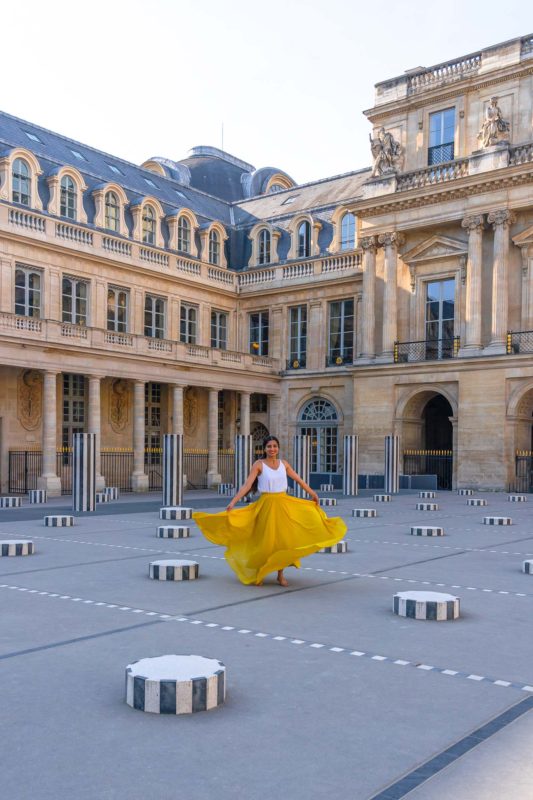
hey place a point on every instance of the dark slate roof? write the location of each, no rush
(216, 172)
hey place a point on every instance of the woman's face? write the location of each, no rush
(272, 449)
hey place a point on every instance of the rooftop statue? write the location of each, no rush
(494, 128)
(386, 152)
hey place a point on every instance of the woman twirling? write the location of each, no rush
(277, 530)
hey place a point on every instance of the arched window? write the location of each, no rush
(68, 199)
(348, 232)
(148, 225)
(264, 247)
(259, 434)
(304, 240)
(21, 181)
(184, 235)
(112, 212)
(214, 247)
(319, 420)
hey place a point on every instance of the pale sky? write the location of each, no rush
(288, 79)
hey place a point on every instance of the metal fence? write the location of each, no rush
(430, 462)
(523, 481)
(427, 350)
(25, 466)
(117, 467)
(519, 342)
(195, 463)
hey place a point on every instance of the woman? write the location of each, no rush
(275, 531)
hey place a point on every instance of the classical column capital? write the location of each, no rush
(502, 216)
(368, 243)
(472, 222)
(391, 238)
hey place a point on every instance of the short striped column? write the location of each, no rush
(327, 487)
(476, 501)
(225, 488)
(426, 530)
(10, 502)
(364, 512)
(327, 501)
(517, 498)
(101, 497)
(427, 506)
(350, 465)
(392, 464)
(382, 498)
(172, 469)
(173, 532)
(436, 606)
(427, 495)
(301, 461)
(174, 570)
(83, 472)
(112, 492)
(37, 496)
(338, 547)
(497, 521)
(527, 567)
(175, 512)
(175, 684)
(59, 521)
(243, 458)
(16, 547)
(465, 492)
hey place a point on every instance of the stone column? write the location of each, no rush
(49, 479)
(213, 475)
(94, 426)
(245, 414)
(177, 409)
(501, 221)
(390, 242)
(139, 479)
(368, 346)
(273, 416)
(472, 343)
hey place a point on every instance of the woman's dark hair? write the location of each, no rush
(266, 440)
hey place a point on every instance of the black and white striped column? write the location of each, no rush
(301, 461)
(172, 469)
(37, 496)
(392, 464)
(83, 472)
(350, 465)
(243, 458)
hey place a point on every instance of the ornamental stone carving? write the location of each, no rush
(386, 152)
(393, 238)
(119, 405)
(501, 217)
(473, 222)
(29, 399)
(190, 411)
(495, 128)
(368, 243)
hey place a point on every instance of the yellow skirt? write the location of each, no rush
(272, 533)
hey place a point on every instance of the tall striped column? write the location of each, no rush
(84, 472)
(301, 461)
(392, 464)
(351, 465)
(243, 458)
(172, 469)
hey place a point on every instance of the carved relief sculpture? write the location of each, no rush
(29, 400)
(190, 411)
(118, 405)
(495, 128)
(386, 152)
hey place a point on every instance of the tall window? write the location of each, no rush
(117, 310)
(440, 312)
(154, 317)
(214, 247)
(219, 329)
(184, 235)
(297, 337)
(74, 301)
(67, 205)
(319, 420)
(148, 225)
(21, 180)
(341, 333)
(188, 323)
(112, 212)
(264, 247)
(27, 292)
(73, 407)
(304, 240)
(152, 424)
(441, 136)
(259, 333)
(348, 232)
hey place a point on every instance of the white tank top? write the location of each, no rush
(272, 480)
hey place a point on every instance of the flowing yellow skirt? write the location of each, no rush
(272, 533)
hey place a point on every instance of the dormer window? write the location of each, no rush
(264, 247)
(112, 212)
(68, 198)
(441, 136)
(184, 235)
(304, 240)
(348, 232)
(148, 225)
(214, 247)
(21, 182)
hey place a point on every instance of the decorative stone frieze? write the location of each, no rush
(29, 399)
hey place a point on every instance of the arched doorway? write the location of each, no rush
(259, 434)
(319, 420)
(427, 435)
(519, 450)
(438, 430)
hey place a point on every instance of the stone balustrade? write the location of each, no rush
(443, 73)
(429, 176)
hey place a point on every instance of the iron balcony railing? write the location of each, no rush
(429, 350)
(440, 154)
(339, 359)
(296, 363)
(519, 342)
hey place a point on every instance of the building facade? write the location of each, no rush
(208, 297)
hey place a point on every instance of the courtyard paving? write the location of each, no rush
(329, 693)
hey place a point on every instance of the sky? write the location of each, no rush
(286, 80)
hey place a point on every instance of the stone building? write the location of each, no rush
(209, 297)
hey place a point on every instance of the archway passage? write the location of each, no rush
(319, 420)
(438, 431)
(428, 437)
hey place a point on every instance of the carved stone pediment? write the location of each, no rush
(525, 238)
(435, 247)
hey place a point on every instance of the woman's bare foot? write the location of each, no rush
(281, 579)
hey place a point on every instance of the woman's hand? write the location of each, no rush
(230, 506)
(314, 498)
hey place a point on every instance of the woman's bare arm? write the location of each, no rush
(247, 485)
(294, 475)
